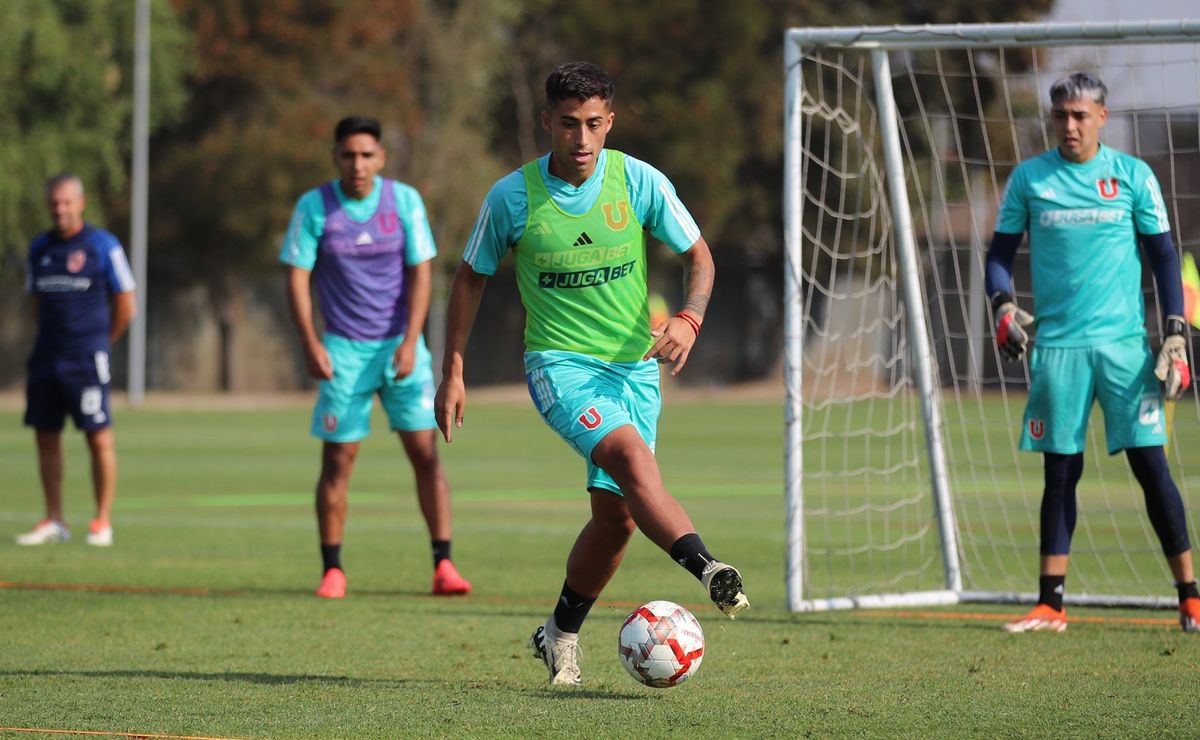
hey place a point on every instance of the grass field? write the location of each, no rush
(200, 621)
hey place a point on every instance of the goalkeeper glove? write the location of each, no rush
(1172, 367)
(1011, 324)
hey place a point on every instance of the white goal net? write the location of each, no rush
(905, 484)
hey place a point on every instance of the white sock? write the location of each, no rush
(554, 633)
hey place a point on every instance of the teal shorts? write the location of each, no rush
(360, 371)
(583, 399)
(1064, 383)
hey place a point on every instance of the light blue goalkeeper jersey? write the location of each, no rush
(1083, 222)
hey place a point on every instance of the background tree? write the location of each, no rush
(458, 87)
(66, 79)
(271, 82)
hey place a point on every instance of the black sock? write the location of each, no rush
(441, 551)
(689, 551)
(331, 556)
(1187, 591)
(1050, 591)
(571, 610)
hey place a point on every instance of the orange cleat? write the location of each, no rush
(1189, 615)
(1042, 618)
(100, 533)
(447, 581)
(333, 584)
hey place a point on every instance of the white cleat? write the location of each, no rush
(47, 532)
(724, 586)
(560, 656)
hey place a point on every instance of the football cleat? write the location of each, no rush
(560, 656)
(333, 584)
(1189, 615)
(47, 532)
(447, 581)
(100, 533)
(1042, 618)
(724, 585)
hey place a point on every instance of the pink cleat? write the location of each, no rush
(333, 584)
(447, 581)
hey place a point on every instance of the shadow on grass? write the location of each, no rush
(269, 679)
(576, 694)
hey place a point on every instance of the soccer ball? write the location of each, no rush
(661, 644)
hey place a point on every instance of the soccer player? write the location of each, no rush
(576, 221)
(1086, 208)
(82, 290)
(368, 242)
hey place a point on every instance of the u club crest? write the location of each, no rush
(1108, 188)
(1037, 428)
(76, 260)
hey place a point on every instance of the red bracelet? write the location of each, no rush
(691, 322)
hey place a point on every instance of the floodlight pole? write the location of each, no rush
(136, 388)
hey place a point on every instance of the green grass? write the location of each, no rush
(214, 630)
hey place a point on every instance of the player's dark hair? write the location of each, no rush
(578, 81)
(1078, 86)
(63, 178)
(351, 125)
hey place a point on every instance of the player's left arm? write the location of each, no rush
(1172, 365)
(675, 337)
(420, 288)
(662, 213)
(418, 274)
(121, 283)
(124, 308)
(1154, 230)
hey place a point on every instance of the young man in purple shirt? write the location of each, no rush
(367, 242)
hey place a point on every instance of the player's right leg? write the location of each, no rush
(593, 561)
(333, 486)
(1061, 393)
(341, 419)
(1058, 513)
(45, 412)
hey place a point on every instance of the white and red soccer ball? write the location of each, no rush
(661, 644)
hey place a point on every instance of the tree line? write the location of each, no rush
(245, 95)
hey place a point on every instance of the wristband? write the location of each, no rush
(690, 321)
(1175, 325)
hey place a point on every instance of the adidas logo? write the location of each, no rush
(583, 240)
(363, 239)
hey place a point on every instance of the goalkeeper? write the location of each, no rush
(1086, 207)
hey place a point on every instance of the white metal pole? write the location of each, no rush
(906, 245)
(793, 331)
(138, 218)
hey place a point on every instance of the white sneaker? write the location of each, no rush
(47, 532)
(560, 656)
(724, 585)
(100, 534)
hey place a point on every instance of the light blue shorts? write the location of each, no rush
(360, 371)
(583, 399)
(1065, 382)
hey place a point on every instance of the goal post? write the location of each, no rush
(903, 479)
